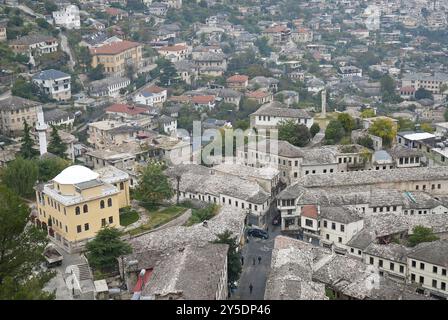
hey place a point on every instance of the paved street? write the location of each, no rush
(256, 274)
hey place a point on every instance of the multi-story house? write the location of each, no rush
(277, 34)
(175, 53)
(260, 96)
(431, 82)
(14, 111)
(210, 63)
(68, 17)
(151, 96)
(108, 87)
(54, 83)
(271, 115)
(34, 45)
(350, 71)
(238, 82)
(428, 265)
(103, 134)
(78, 202)
(117, 56)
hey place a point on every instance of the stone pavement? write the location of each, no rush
(255, 274)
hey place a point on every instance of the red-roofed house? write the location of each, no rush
(260, 96)
(407, 92)
(175, 53)
(125, 111)
(238, 82)
(115, 56)
(116, 13)
(203, 101)
(277, 34)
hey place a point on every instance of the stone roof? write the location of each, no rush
(391, 251)
(275, 110)
(340, 214)
(16, 103)
(362, 239)
(199, 179)
(435, 252)
(194, 272)
(50, 74)
(354, 178)
(401, 151)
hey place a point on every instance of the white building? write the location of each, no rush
(68, 17)
(108, 87)
(151, 96)
(55, 83)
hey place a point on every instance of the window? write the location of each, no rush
(412, 277)
(342, 228)
(434, 269)
(339, 239)
(422, 279)
(78, 229)
(121, 186)
(401, 269)
(325, 223)
(103, 222)
(333, 226)
(443, 285)
(392, 266)
(352, 250)
(443, 272)
(434, 283)
(414, 263)
(111, 219)
(422, 266)
(327, 236)
(308, 222)
(380, 263)
(86, 227)
(77, 210)
(102, 204)
(85, 208)
(109, 202)
(371, 260)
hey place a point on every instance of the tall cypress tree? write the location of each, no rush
(56, 146)
(26, 150)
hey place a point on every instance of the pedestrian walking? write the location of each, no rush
(259, 259)
(251, 287)
(254, 261)
(242, 261)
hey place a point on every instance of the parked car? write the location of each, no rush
(258, 233)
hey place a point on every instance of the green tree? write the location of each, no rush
(405, 124)
(20, 176)
(385, 129)
(233, 257)
(96, 73)
(294, 133)
(21, 249)
(263, 46)
(56, 146)
(26, 149)
(347, 121)
(200, 215)
(368, 113)
(153, 186)
(427, 127)
(50, 6)
(365, 141)
(28, 90)
(421, 234)
(105, 248)
(334, 132)
(50, 167)
(423, 94)
(315, 128)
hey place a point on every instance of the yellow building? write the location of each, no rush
(78, 202)
(115, 56)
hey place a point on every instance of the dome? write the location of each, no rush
(75, 174)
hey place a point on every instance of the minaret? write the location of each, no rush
(41, 128)
(323, 95)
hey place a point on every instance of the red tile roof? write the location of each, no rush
(124, 108)
(257, 94)
(408, 89)
(173, 48)
(154, 89)
(237, 78)
(114, 47)
(203, 99)
(275, 29)
(309, 211)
